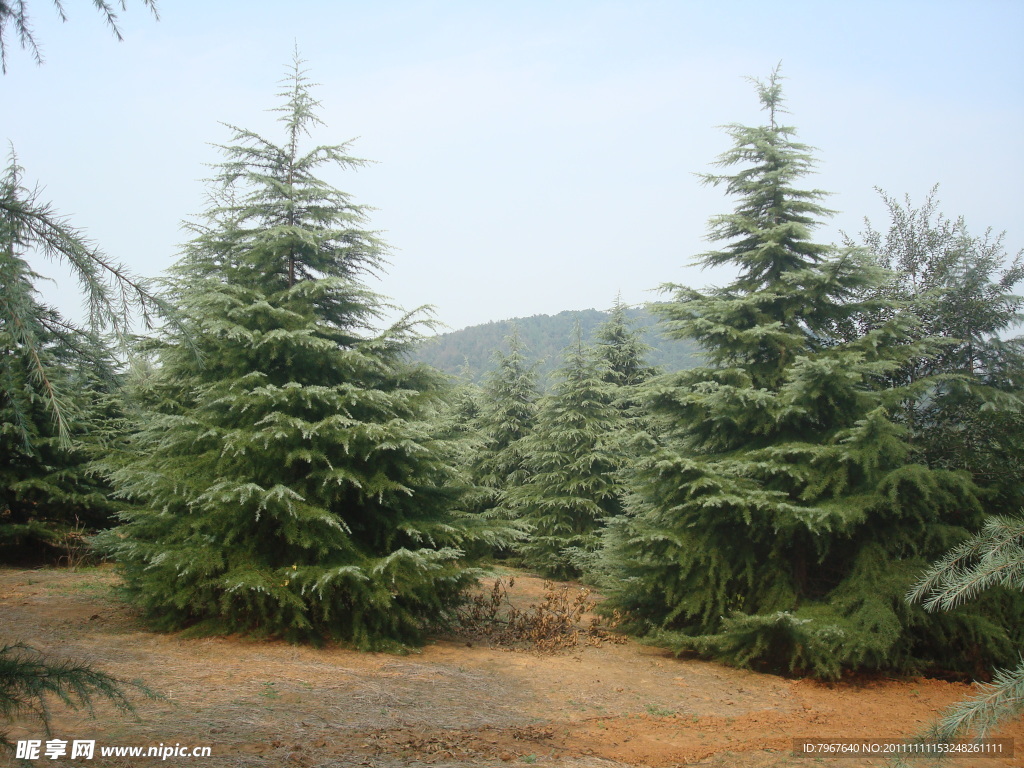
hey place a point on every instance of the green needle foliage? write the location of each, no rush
(508, 412)
(621, 349)
(782, 519)
(28, 681)
(992, 558)
(285, 480)
(33, 335)
(58, 390)
(623, 355)
(49, 495)
(571, 484)
(14, 15)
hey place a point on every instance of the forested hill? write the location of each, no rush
(544, 338)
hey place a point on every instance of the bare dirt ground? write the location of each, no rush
(456, 703)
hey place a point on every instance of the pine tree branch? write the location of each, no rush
(14, 12)
(994, 556)
(28, 679)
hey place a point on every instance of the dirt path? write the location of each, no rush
(453, 704)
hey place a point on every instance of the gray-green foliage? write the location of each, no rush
(571, 483)
(33, 334)
(49, 497)
(992, 558)
(620, 347)
(286, 481)
(960, 288)
(783, 517)
(14, 15)
(58, 390)
(508, 412)
(546, 336)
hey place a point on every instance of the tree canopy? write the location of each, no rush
(286, 480)
(783, 517)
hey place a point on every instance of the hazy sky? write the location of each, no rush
(529, 157)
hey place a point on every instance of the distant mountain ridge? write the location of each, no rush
(544, 338)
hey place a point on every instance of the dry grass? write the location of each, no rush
(562, 620)
(532, 680)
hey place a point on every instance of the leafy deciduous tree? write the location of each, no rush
(960, 288)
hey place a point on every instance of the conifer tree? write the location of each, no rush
(37, 341)
(460, 411)
(620, 347)
(782, 520)
(454, 421)
(623, 354)
(49, 497)
(58, 389)
(285, 481)
(571, 485)
(30, 681)
(57, 403)
(508, 411)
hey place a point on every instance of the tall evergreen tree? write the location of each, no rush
(622, 350)
(58, 389)
(571, 485)
(782, 520)
(36, 340)
(49, 497)
(455, 420)
(623, 353)
(285, 482)
(459, 413)
(56, 403)
(508, 411)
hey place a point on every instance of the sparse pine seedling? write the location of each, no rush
(659, 711)
(269, 691)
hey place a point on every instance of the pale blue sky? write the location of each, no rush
(532, 156)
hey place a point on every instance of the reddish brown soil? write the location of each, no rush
(452, 704)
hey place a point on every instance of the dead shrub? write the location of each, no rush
(558, 622)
